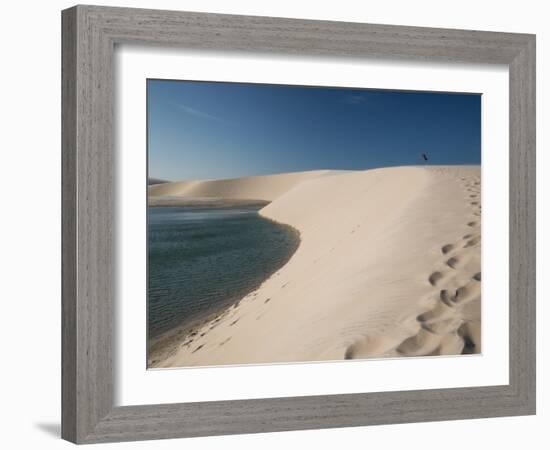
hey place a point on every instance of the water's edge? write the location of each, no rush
(167, 343)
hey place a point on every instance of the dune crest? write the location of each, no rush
(263, 187)
(388, 265)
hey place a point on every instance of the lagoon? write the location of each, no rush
(202, 260)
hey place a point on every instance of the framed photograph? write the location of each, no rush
(278, 224)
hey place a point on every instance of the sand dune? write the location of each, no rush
(265, 187)
(388, 265)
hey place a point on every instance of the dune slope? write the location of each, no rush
(265, 187)
(388, 265)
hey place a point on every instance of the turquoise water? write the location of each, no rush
(201, 260)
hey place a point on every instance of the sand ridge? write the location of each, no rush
(389, 264)
(262, 187)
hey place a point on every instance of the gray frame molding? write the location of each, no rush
(89, 36)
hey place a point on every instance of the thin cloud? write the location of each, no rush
(355, 99)
(200, 114)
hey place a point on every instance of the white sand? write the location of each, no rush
(265, 187)
(388, 265)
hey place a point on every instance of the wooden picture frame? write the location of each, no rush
(90, 34)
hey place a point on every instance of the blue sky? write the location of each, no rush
(201, 130)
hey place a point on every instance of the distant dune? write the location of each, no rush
(388, 265)
(264, 187)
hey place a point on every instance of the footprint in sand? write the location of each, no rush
(447, 297)
(368, 346)
(435, 278)
(456, 262)
(225, 341)
(467, 293)
(470, 334)
(423, 343)
(440, 311)
(443, 326)
(472, 242)
(442, 329)
(447, 248)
